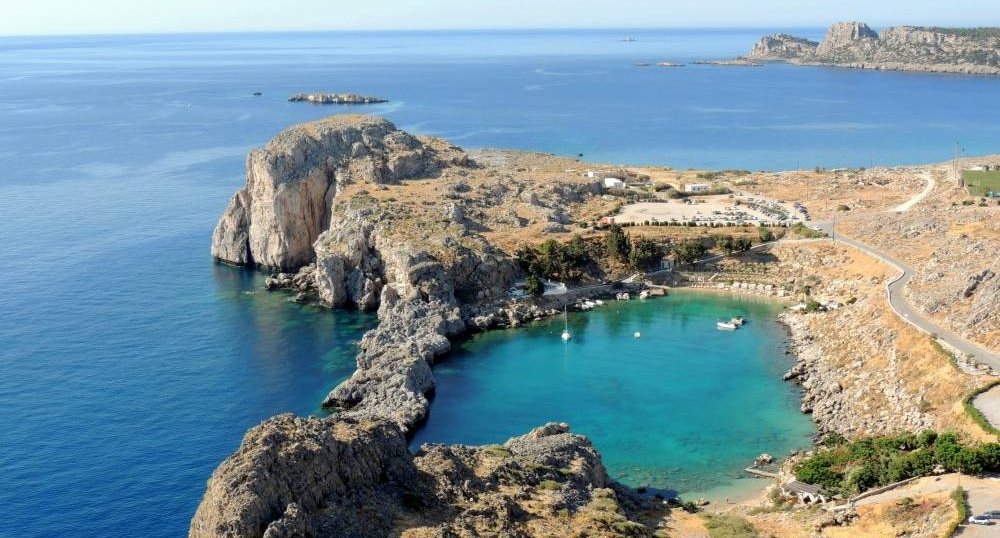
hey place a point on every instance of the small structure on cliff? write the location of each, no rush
(807, 493)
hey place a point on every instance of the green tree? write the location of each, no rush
(644, 254)
(742, 244)
(766, 235)
(688, 251)
(726, 244)
(533, 285)
(616, 243)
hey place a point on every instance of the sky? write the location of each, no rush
(69, 17)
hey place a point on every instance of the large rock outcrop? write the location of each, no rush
(338, 477)
(292, 181)
(289, 467)
(903, 48)
(781, 47)
(851, 37)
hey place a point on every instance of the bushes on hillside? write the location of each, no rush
(852, 468)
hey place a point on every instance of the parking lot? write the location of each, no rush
(732, 209)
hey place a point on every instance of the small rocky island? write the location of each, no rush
(336, 99)
(901, 48)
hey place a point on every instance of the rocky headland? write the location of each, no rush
(336, 99)
(902, 48)
(298, 477)
(349, 211)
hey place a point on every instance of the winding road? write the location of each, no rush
(895, 287)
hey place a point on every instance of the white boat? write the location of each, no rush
(565, 334)
(726, 325)
(637, 334)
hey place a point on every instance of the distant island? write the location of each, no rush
(901, 48)
(336, 98)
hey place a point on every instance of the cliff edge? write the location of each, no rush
(292, 181)
(336, 477)
(902, 48)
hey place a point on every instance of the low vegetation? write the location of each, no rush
(975, 414)
(850, 468)
(805, 231)
(980, 182)
(962, 505)
(727, 526)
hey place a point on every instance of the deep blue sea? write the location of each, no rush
(130, 364)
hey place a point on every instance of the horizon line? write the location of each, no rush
(454, 29)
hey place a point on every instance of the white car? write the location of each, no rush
(980, 520)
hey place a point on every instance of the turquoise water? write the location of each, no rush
(131, 365)
(684, 407)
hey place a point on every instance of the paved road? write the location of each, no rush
(907, 312)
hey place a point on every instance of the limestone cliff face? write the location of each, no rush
(782, 47)
(903, 48)
(850, 39)
(304, 207)
(290, 467)
(337, 477)
(292, 181)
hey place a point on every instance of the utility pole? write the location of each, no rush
(958, 175)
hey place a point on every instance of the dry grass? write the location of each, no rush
(925, 517)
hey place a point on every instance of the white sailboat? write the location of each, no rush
(565, 334)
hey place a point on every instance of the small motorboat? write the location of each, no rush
(725, 325)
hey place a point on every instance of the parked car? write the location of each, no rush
(980, 520)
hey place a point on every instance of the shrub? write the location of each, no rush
(548, 485)
(533, 285)
(726, 526)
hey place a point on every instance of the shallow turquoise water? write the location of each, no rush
(684, 407)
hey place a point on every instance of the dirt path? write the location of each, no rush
(905, 206)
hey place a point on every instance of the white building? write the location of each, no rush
(695, 187)
(613, 183)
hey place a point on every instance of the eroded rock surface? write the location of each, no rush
(902, 48)
(339, 477)
(292, 181)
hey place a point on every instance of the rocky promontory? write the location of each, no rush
(902, 48)
(336, 99)
(296, 477)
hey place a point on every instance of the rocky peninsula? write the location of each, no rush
(336, 99)
(902, 48)
(349, 211)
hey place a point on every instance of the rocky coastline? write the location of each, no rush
(295, 477)
(904, 48)
(336, 99)
(320, 210)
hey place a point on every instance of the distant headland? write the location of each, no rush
(900, 48)
(336, 98)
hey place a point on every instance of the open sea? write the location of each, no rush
(131, 364)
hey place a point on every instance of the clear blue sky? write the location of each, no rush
(28, 17)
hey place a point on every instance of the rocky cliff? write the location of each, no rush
(292, 181)
(903, 48)
(338, 477)
(782, 47)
